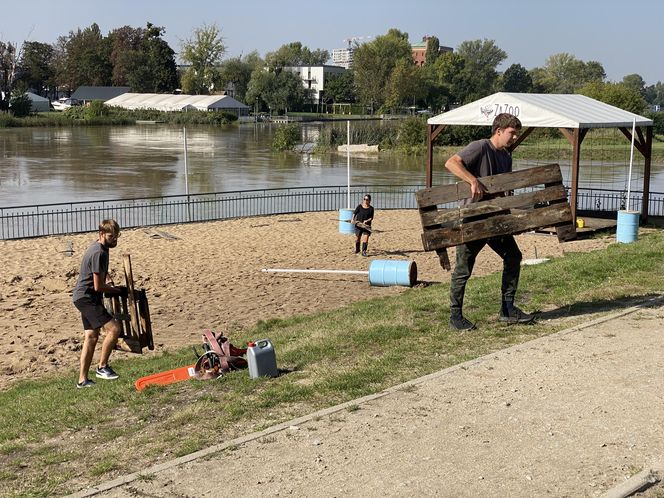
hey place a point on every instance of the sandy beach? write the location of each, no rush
(208, 276)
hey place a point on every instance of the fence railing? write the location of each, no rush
(77, 217)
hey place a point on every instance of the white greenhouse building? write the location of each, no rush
(169, 102)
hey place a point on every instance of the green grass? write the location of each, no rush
(59, 439)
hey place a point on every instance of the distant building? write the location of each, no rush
(419, 51)
(313, 78)
(182, 102)
(37, 102)
(343, 57)
(86, 94)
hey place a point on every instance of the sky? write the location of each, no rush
(625, 37)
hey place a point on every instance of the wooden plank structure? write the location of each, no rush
(132, 311)
(544, 204)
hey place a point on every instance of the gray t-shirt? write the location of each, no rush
(95, 260)
(481, 158)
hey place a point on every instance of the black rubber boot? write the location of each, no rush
(460, 322)
(514, 315)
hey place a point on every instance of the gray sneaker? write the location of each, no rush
(86, 383)
(106, 373)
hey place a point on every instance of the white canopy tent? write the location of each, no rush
(168, 102)
(572, 114)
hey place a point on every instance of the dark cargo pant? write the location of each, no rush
(466, 254)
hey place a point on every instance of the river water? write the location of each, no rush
(51, 165)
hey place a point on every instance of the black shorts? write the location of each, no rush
(361, 231)
(93, 313)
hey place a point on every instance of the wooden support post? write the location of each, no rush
(131, 294)
(432, 132)
(646, 174)
(146, 324)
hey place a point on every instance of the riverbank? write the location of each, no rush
(111, 116)
(407, 137)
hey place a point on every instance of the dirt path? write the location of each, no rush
(573, 414)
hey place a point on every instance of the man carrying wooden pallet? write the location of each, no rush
(481, 158)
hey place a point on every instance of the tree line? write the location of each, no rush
(382, 78)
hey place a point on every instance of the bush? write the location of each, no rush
(220, 117)
(97, 113)
(372, 133)
(286, 137)
(7, 120)
(462, 135)
(20, 106)
(74, 112)
(96, 109)
(412, 134)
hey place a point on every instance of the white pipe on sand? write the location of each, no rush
(288, 270)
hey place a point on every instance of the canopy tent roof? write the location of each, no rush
(168, 102)
(572, 114)
(36, 98)
(541, 110)
(90, 93)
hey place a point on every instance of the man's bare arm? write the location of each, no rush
(100, 284)
(455, 166)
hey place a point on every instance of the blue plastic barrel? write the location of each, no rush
(628, 226)
(384, 273)
(345, 226)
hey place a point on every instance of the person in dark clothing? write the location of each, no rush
(363, 214)
(478, 159)
(88, 297)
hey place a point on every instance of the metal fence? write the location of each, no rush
(76, 217)
(609, 202)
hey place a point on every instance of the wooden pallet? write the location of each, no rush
(512, 211)
(132, 311)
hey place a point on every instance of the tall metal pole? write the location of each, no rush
(348, 160)
(631, 161)
(186, 175)
(186, 167)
